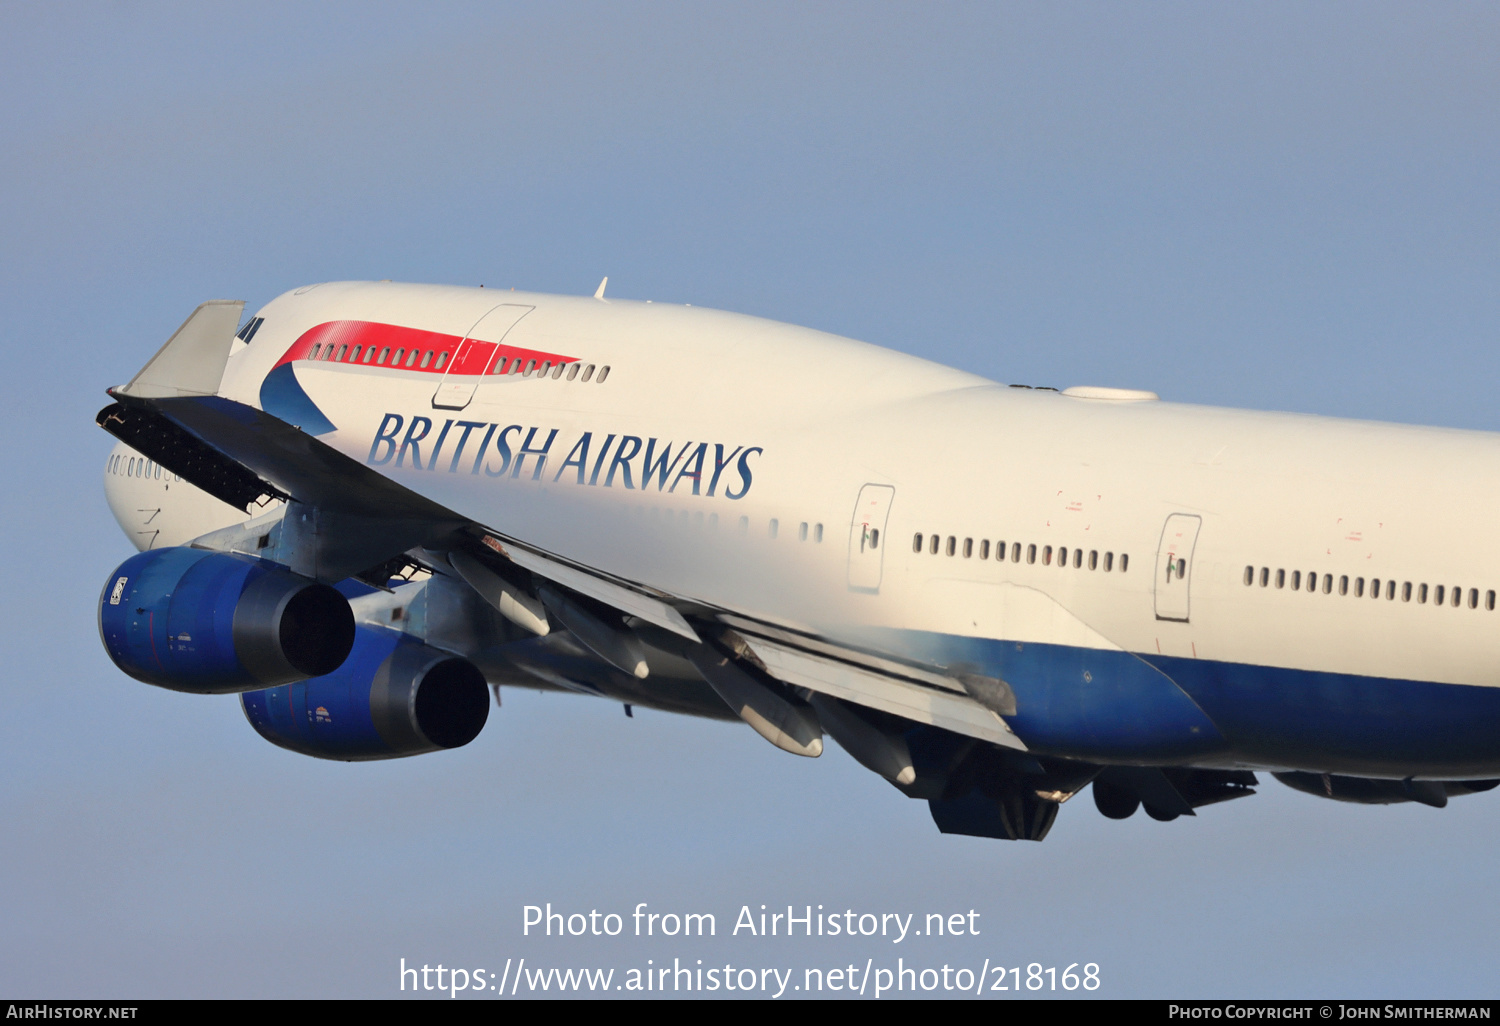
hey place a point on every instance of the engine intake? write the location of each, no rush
(393, 697)
(217, 622)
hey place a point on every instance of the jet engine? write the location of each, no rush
(217, 622)
(394, 696)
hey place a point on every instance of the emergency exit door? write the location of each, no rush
(867, 540)
(1174, 566)
(475, 356)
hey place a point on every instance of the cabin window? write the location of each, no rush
(1489, 600)
(426, 359)
(1359, 587)
(411, 358)
(572, 371)
(500, 365)
(1473, 598)
(1249, 576)
(1406, 592)
(952, 545)
(1265, 576)
(916, 542)
(396, 359)
(1015, 552)
(1062, 557)
(1109, 561)
(1421, 594)
(1458, 595)
(984, 549)
(343, 352)
(1093, 559)
(1077, 559)
(603, 373)
(1124, 562)
(1390, 591)
(546, 366)
(588, 372)
(933, 545)
(530, 366)
(383, 354)
(1031, 553)
(802, 531)
(1438, 595)
(557, 371)
(328, 353)
(874, 537)
(1001, 549)
(442, 360)
(315, 351)
(817, 528)
(968, 548)
(1047, 556)
(1328, 585)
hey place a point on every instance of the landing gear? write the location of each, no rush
(1012, 813)
(1116, 803)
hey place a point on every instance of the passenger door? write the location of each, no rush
(1174, 566)
(475, 355)
(867, 536)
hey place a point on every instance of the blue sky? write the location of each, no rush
(1274, 206)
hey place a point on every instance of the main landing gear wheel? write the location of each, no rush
(1115, 803)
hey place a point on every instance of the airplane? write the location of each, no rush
(372, 504)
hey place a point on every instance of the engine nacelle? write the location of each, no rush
(218, 622)
(394, 696)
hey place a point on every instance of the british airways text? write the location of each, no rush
(633, 462)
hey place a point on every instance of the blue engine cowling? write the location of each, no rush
(394, 696)
(216, 622)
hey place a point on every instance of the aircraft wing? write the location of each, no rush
(345, 518)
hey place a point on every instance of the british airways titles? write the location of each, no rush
(474, 446)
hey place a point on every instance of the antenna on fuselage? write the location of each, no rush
(599, 292)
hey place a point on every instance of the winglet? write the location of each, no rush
(192, 362)
(599, 292)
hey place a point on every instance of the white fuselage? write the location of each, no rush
(771, 432)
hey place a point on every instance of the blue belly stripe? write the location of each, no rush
(1120, 707)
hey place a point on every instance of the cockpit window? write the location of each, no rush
(248, 331)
